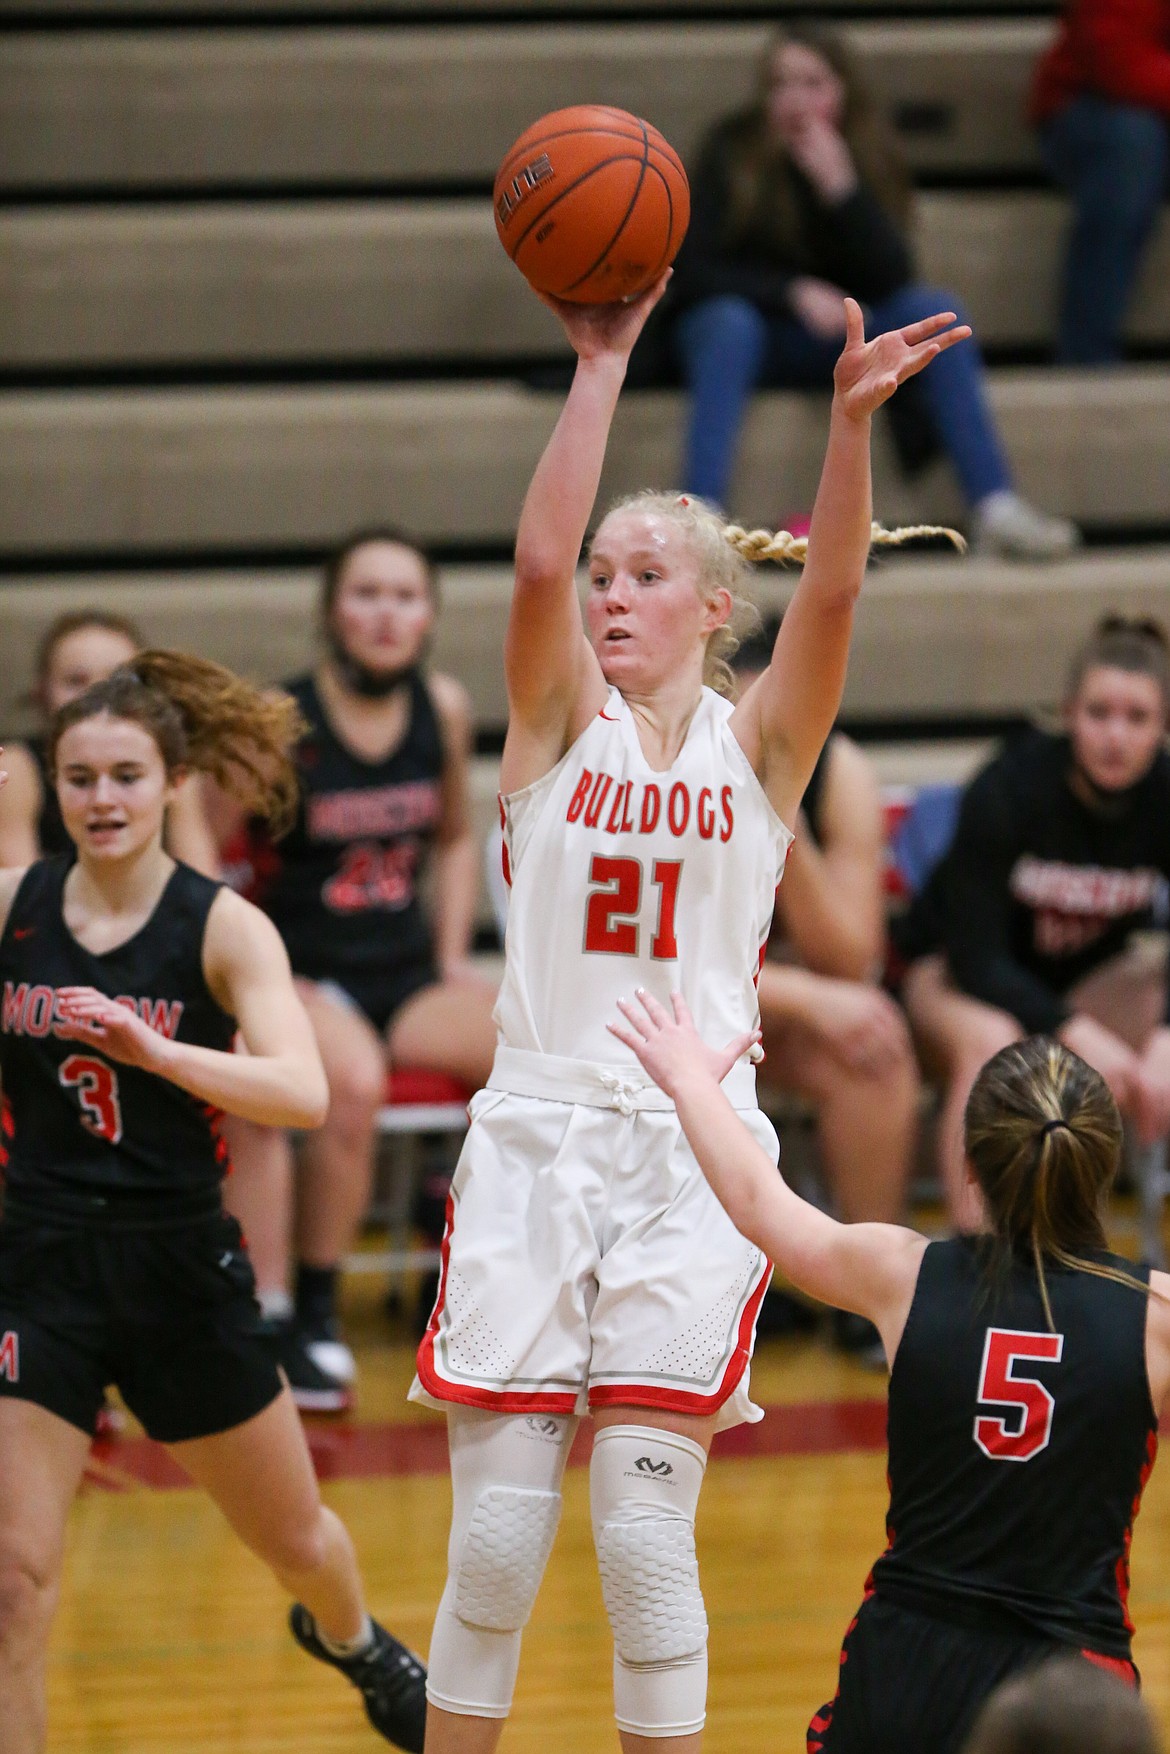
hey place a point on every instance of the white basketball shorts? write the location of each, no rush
(586, 1263)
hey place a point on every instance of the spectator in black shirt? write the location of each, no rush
(796, 202)
(1034, 919)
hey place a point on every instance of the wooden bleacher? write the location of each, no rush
(185, 109)
(935, 638)
(334, 282)
(175, 470)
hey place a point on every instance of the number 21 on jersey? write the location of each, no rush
(1023, 1433)
(611, 913)
(96, 1085)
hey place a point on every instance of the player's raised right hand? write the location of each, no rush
(598, 331)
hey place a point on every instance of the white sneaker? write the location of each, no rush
(1008, 526)
(334, 1358)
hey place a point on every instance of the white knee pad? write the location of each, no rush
(503, 1556)
(644, 1489)
(506, 1475)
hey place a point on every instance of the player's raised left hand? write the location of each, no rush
(868, 372)
(670, 1048)
(118, 1031)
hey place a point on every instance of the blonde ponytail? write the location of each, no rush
(782, 546)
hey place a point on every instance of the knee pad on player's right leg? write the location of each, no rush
(490, 1593)
(504, 1553)
(506, 1474)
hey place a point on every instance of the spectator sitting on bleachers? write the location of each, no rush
(1037, 920)
(383, 774)
(795, 202)
(79, 648)
(831, 1035)
(1101, 102)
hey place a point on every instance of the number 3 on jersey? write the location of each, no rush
(96, 1085)
(1026, 1431)
(611, 913)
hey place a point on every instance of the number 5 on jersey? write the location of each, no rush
(1026, 1432)
(96, 1085)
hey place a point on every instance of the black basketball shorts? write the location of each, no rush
(914, 1684)
(166, 1312)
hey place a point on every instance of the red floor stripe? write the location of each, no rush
(344, 1451)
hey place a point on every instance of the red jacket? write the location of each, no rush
(1116, 48)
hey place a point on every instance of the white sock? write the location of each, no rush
(352, 1647)
(276, 1304)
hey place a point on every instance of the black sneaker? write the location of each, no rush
(389, 1677)
(857, 1337)
(313, 1389)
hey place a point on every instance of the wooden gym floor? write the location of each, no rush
(171, 1638)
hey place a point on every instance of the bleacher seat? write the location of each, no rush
(129, 471)
(935, 638)
(253, 107)
(332, 282)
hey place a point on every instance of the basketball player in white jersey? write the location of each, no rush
(587, 1268)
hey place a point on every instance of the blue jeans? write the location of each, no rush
(727, 347)
(1112, 158)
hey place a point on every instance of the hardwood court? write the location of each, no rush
(171, 1639)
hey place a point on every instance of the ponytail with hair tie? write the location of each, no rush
(782, 545)
(204, 716)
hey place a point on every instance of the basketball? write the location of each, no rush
(591, 204)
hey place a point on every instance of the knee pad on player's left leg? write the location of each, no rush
(644, 1489)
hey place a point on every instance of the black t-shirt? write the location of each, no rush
(855, 243)
(76, 1123)
(342, 887)
(1040, 888)
(1018, 1455)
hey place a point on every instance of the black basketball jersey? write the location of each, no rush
(1018, 1455)
(52, 837)
(342, 886)
(76, 1123)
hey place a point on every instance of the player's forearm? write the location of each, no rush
(456, 894)
(742, 1176)
(277, 1090)
(560, 498)
(842, 518)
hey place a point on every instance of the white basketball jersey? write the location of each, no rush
(623, 878)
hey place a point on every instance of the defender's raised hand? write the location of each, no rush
(670, 1048)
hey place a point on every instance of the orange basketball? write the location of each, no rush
(591, 204)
